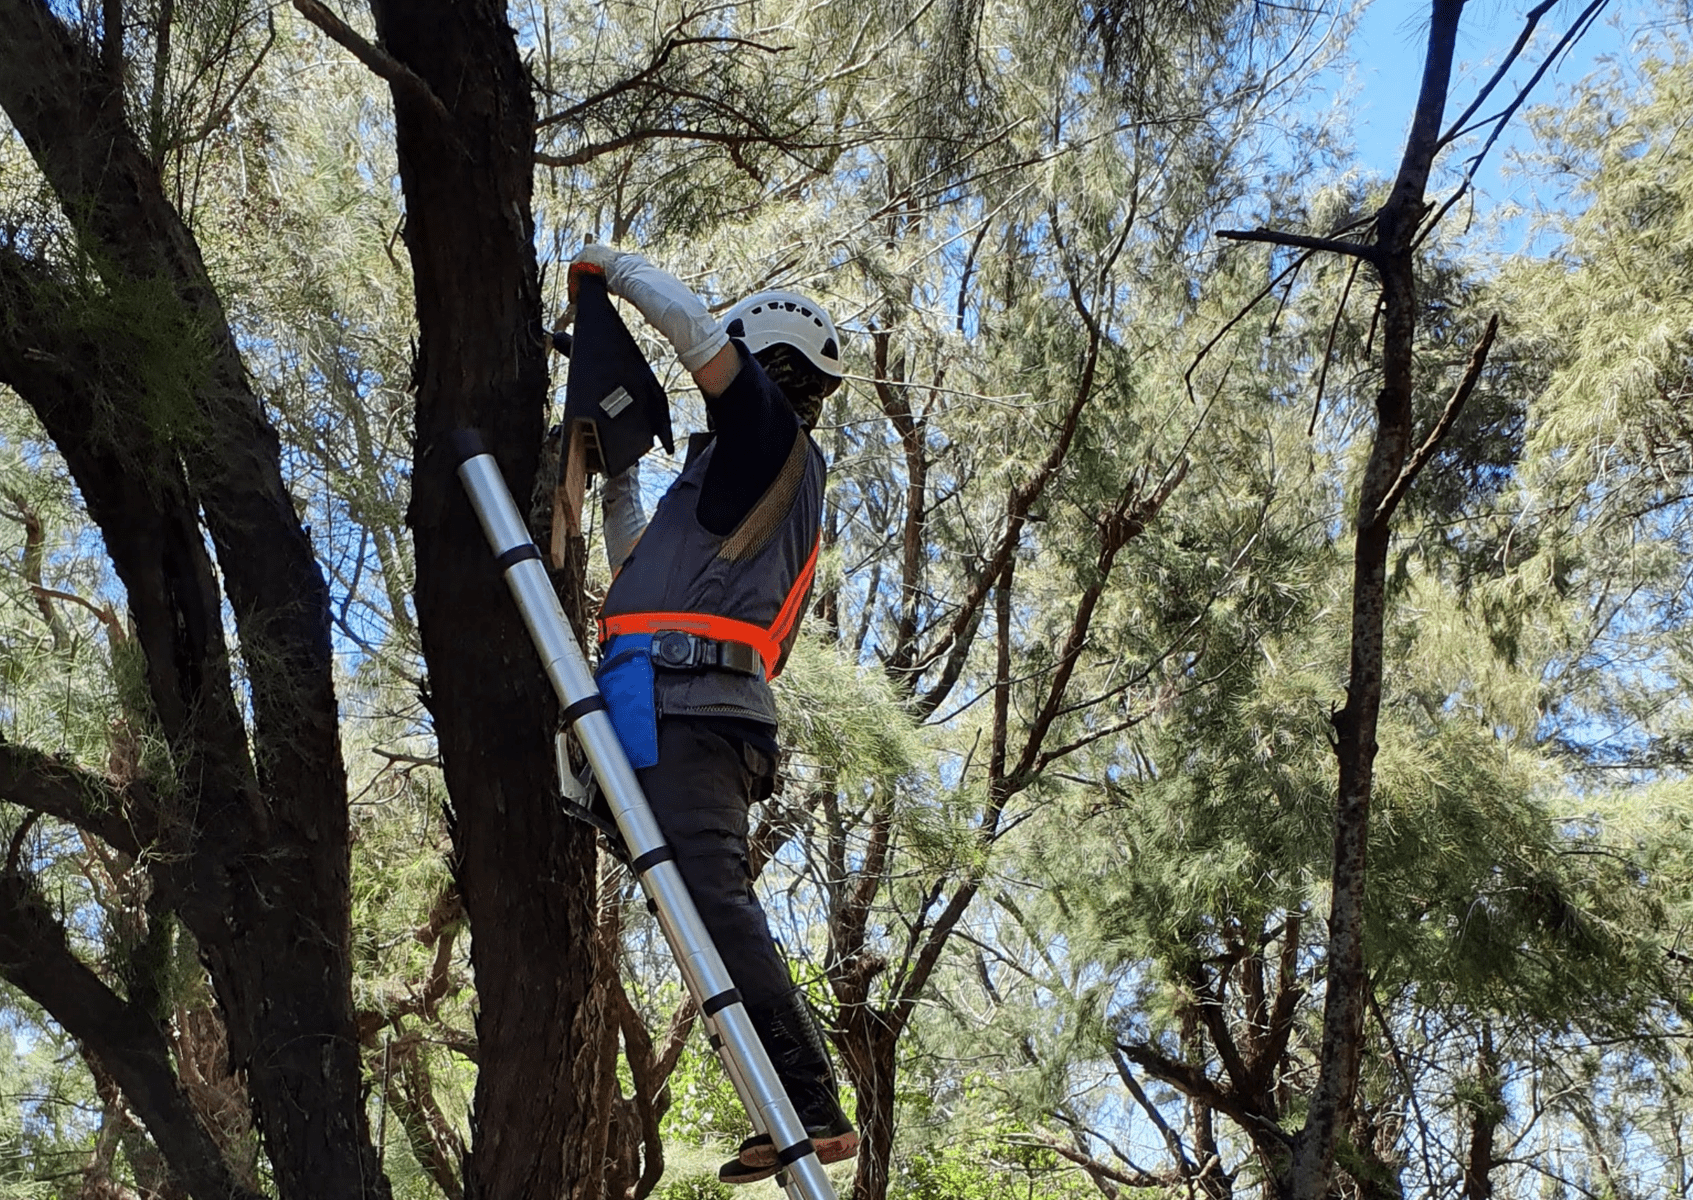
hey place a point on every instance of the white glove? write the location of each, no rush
(599, 254)
(664, 300)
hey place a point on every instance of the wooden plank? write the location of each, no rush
(567, 497)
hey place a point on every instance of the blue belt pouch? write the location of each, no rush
(625, 679)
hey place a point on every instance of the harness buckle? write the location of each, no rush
(679, 650)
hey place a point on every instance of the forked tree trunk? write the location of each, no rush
(253, 853)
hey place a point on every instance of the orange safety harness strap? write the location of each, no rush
(768, 642)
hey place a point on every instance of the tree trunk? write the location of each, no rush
(464, 123)
(1485, 1116)
(1355, 724)
(867, 1048)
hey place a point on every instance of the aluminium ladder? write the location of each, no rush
(730, 1029)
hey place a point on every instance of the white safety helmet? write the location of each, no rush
(767, 319)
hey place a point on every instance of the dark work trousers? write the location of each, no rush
(699, 793)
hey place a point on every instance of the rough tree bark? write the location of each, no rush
(464, 123)
(249, 845)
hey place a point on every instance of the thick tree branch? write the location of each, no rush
(1022, 498)
(1306, 1174)
(270, 797)
(1172, 1139)
(399, 76)
(545, 1083)
(1192, 1081)
(1281, 1020)
(121, 818)
(1127, 521)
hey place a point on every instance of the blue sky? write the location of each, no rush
(1388, 50)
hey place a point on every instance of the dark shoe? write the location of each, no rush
(757, 1157)
(795, 1046)
(735, 1172)
(833, 1144)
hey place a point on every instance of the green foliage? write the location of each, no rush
(694, 1187)
(991, 1169)
(48, 1113)
(850, 719)
(703, 1104)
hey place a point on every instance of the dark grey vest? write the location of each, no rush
(752, 575)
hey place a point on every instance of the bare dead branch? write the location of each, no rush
(1276, 237)
(1576, 29)
(1328, 346)
(1531, 19)
(221, 114)
(1443, 426)
(734, 141)
(1240, 315)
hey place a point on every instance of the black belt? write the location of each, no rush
(678, 650)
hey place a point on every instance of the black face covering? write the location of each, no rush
(803, 384)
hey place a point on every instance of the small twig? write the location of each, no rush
(382, 1120)
(588, 153)
(221, 115)
(653, 67)
(1102, 1170)
(1328, 348)
(1187, 376)
(1455, 405)
(1291, 269)
(400, 76)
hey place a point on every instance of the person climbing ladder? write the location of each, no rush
(705, 603)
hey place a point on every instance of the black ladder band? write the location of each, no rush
(517, 554)
(795, 1152)
(587, 704)
(716, 1004)
(652, 858)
